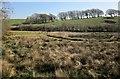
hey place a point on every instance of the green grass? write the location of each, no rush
(16, 21)
(90, 21)
(24, 32)
(81, 25)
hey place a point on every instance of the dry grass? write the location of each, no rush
(8, 69)
(45, 56)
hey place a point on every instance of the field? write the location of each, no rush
(85, 21)
(100, 24)
(84, 55)
(84, 48)
(59, 40)
(16, 21)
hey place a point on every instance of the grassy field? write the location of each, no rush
(64, 53)
(81, 25)
(56, 54)
(16, 21)
(92, 21)
(89, 21)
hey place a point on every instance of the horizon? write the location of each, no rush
(29, 8)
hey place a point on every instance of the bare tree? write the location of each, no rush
(86, 13)
(62, 15)
(118, 12)
(5, 12)
(39, 18)
(78, 14)
(28, 20)
(44, 18)
(99, 12)
(81, 13)
(52, 17)
(111, 12)
(93, 13)
(35, 18)
(72, 14)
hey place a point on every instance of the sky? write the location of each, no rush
(61, 0)
(23, 9)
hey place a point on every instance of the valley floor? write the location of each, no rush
(61, 54)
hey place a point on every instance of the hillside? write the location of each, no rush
(85, 21)
(16, 21)
(80, 25)
(32, 52)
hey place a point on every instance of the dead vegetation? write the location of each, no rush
(44, 56)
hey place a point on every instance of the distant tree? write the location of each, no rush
(93, 13)
(39, 18)
(72, 14)
(65, 15)
(118, 12)
(78, 14)
(111, 12)
(52, 17)
(5, 12)
(86, 12)
(28, 20)
(44, 18)
(90, 13)
(62, 15)
(33, 19)
(81, 13)
(99, 12)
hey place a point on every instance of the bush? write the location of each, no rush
(25, 23)
(110, 21)
(108, 17)
(15, 24)
(103, 28)
(71, 28)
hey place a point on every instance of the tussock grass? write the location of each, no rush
(46, 56)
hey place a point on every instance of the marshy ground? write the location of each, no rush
(61, 54)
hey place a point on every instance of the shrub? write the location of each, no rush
(110, 21)
(25, 23)
(71, 27)
(108, 17)
(15, 24)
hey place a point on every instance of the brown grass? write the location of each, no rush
(45, 56)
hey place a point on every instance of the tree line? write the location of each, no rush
(40, 18)
(75, 14)
(89, 13)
